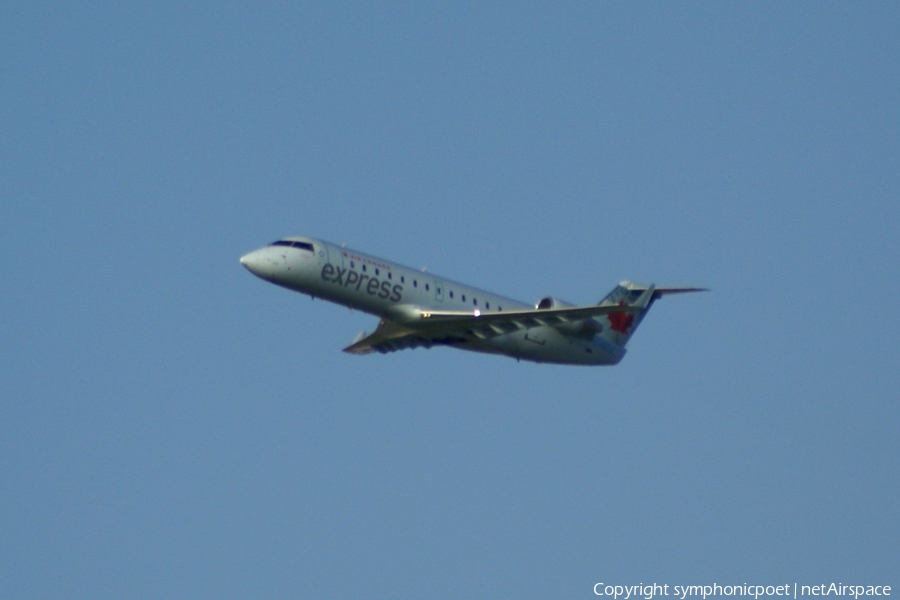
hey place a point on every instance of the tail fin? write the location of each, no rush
(619, 327)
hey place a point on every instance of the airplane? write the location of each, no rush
(419, 309)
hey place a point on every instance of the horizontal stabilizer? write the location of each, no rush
(665, 291)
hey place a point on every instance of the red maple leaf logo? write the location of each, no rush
(620, 321)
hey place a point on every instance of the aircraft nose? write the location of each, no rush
(256, 263)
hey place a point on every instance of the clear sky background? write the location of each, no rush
(171, 426)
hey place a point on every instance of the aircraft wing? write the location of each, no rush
(452, 327)
(448, 327)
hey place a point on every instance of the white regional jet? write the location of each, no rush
(421, 309)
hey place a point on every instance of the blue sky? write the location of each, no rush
(171, 426)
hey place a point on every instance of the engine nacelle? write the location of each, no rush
(549, 302)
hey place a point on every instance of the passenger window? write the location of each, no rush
(364, 267)
(402, 279)
(464, 297)
(475, 301)
(487, 305)
(415, 283)
(376, 271)
(352, 265)
(426, 287)
(389, 275)
(451, 293)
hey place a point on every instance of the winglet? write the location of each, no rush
(645, 298)
(360, 345)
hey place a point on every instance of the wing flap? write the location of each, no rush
(526, 319)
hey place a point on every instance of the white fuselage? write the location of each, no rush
(402, 294)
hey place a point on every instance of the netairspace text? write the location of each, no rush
(682, 592)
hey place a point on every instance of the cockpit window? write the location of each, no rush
(290, 244)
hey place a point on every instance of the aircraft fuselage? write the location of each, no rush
(423, 309)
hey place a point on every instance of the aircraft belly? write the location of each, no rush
(501, 344)
(349, 297)
(549, 345)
